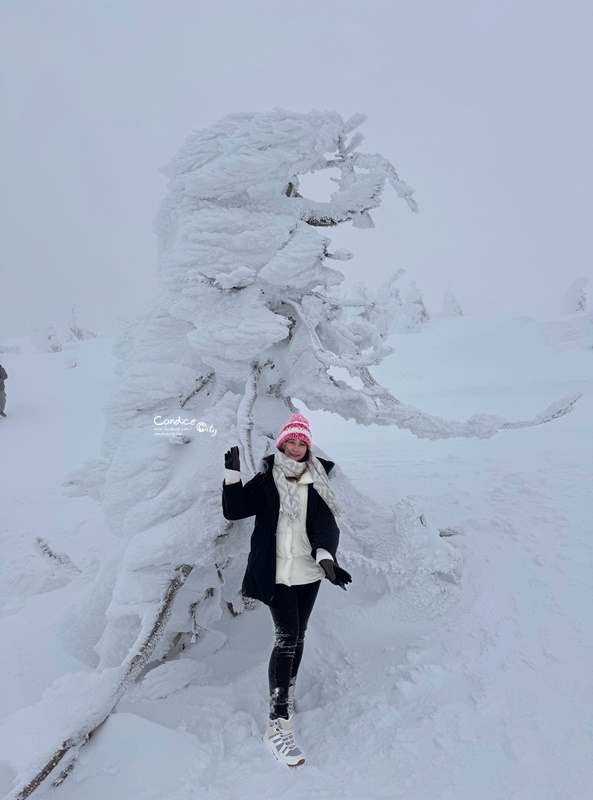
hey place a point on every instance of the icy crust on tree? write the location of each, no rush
(248, 159)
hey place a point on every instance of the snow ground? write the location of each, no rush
(487, 697)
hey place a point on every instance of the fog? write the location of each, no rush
(484, 108)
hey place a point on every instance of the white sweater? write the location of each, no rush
(294, 563)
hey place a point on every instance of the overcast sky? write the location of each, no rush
(484, 107)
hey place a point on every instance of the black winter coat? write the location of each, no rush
(260, 497)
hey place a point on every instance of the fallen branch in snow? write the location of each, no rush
(448, 532)
(131, 668)
(179, 438)
(61, 558)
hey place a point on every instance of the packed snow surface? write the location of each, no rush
(478, 691)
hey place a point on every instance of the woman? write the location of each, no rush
(293, 546)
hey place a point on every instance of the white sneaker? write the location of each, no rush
(279, 740)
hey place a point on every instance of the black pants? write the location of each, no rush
(291, 609)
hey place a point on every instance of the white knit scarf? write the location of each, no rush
(286, 467)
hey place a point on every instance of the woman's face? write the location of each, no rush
(295, 448)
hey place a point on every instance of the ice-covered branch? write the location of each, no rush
(245, 416)
(357, 194)
(554, 411)
(112, 689)
(327, 357)
(380, 162)
(425, 426)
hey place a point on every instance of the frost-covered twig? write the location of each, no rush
(199, 387)
(553, 411)
(131, 668)
(336, 302)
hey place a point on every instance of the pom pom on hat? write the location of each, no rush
(297, 428)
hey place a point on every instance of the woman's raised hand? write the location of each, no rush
(231, 459)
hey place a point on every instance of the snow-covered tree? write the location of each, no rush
(246, 322)
(75, 330)
(575, 300)
(451, 307)
(44, 336)
(415, 306)
(386, 309)
(380, 311)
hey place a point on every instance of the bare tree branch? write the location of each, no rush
(199, 387)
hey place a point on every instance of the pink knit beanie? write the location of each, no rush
(297, 428)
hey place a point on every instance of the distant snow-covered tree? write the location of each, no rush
(75, 330)
(44, 336)
(380, 311)
(575, 300)
(451, 307)
(415, 306)
(386, 309)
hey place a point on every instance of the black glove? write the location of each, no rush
(231, 459)
(335, 574)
